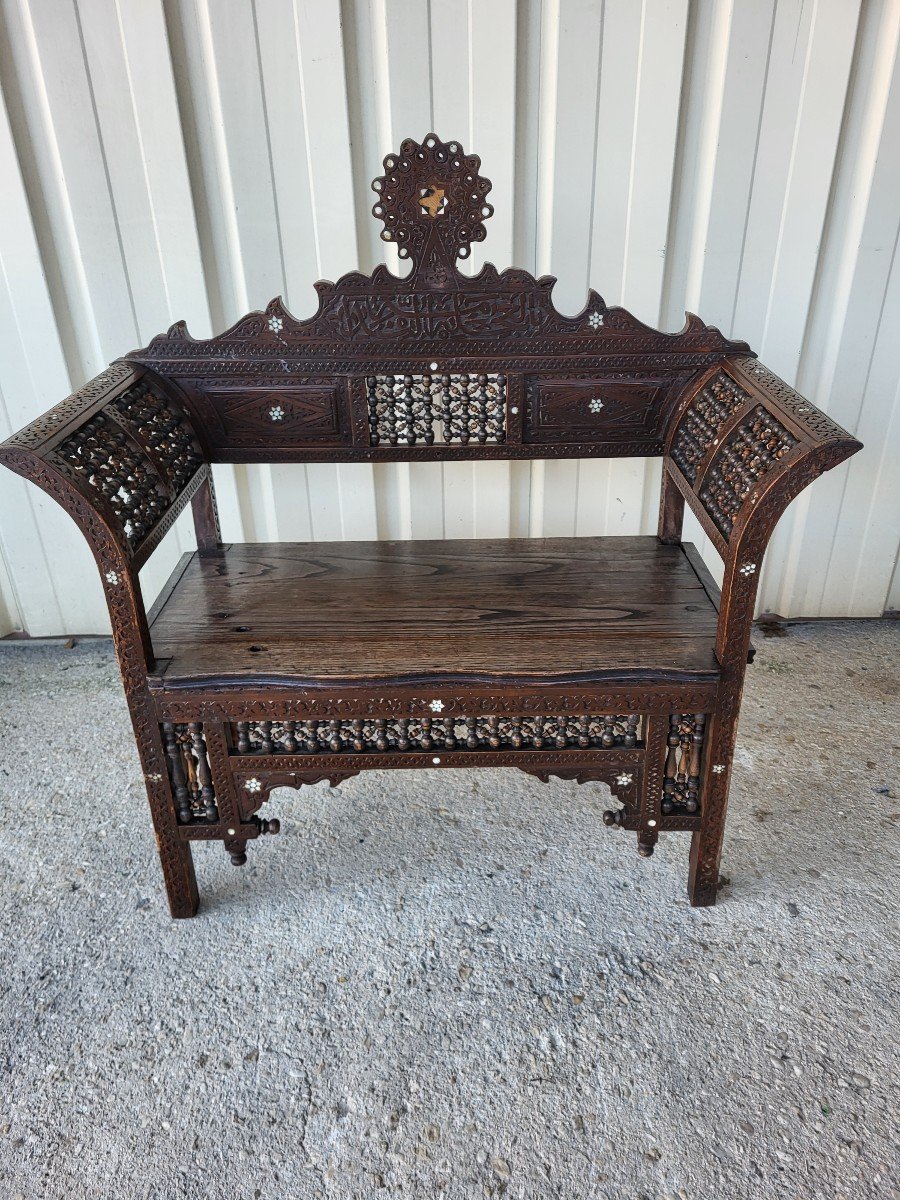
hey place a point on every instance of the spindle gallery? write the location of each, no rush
(603, 659)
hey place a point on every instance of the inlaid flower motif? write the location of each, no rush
(154, 777)
(276, 324)
(719, 769)
(276, 413)
(595, 320)
(595, 405)
(436, 706)
(253, 785)
(112, 576)
(748, 569)
(623, 780)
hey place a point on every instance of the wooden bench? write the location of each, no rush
(271, 665)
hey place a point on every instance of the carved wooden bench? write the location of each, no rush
(262, 666)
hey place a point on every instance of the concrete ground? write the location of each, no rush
(456, 984)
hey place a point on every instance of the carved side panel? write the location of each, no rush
(163, 432)
(107, 462)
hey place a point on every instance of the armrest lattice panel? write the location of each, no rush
(749, 453)
(711, 408)
(137, 454)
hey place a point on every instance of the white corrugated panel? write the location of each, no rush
(193, 158)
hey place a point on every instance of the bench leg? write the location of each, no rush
(178, 872)
(174, 852)
(706, 843)
(703, 877)
(647, 839)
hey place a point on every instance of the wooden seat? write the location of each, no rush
(550, 608)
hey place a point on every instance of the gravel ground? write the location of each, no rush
(456, 984)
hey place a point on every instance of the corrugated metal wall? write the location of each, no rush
(193, 158)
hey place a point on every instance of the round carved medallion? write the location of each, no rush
(432, 188)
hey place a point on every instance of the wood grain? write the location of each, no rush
(360, 610)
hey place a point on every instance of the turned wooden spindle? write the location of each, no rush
(207, 793)
(671, 768)
(176, 773)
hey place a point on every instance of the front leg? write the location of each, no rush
(178, 871)
(706, 843)
(162, 785)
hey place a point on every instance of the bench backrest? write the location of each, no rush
(437, 364)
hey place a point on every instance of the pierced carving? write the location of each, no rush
(73, 406)
(432, 195)
(427, 733)
(750, 452)
(137, 453)
(819, 424)
(108, 462)
(681, 788)
(162, 430)
(407, 409)
(189, 773)
(700, 425)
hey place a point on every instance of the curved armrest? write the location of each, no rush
(125, 445)
(741, 445)
(122, 458)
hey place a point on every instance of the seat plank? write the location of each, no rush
(547, 608)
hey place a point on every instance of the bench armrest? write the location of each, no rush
(123, 459)
(741, 445)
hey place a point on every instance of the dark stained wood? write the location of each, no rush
(560, 607)
(600, 659)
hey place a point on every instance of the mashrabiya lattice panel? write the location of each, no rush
(137, 454)
(448, 733)
(436, 409)
(681, 787)
(752, 449)
(189, 773)
(701, 423)
(163, 430)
